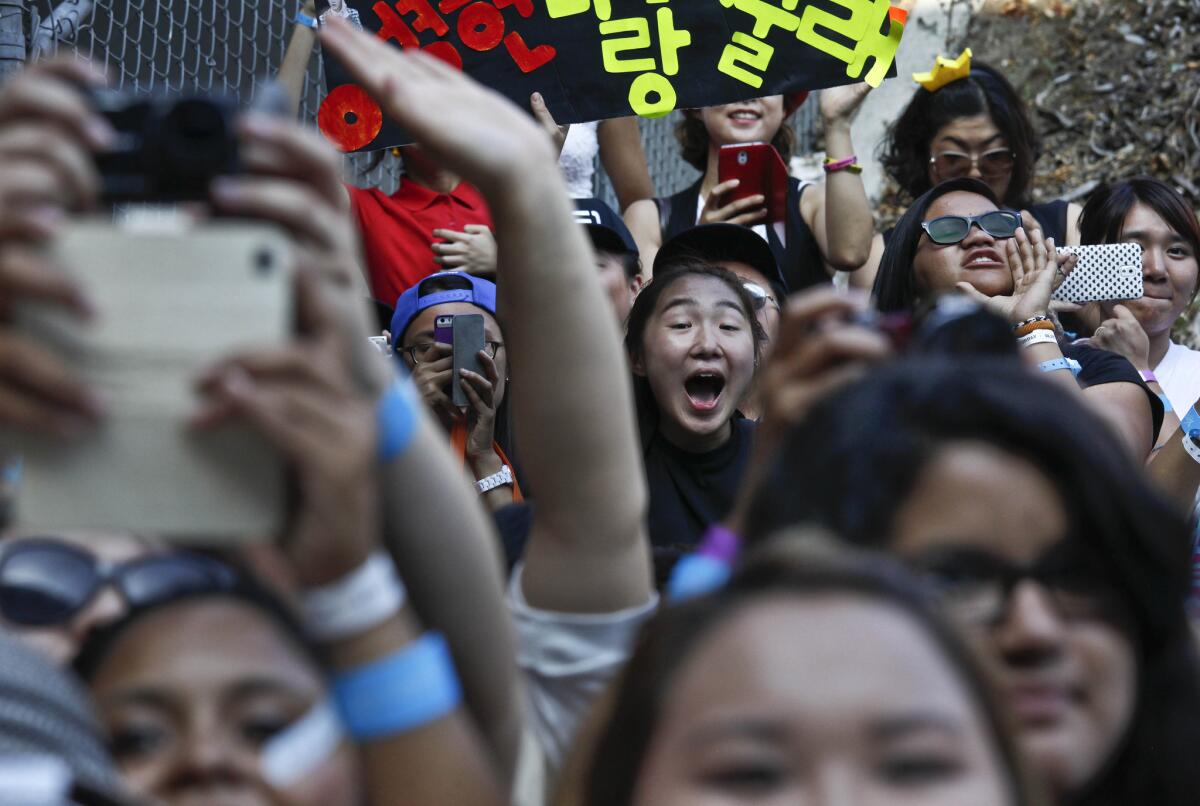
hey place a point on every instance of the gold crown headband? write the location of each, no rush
(945, 71)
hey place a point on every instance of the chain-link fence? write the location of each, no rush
(230, 45)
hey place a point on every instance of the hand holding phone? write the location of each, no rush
(469, 341)
(1110, 271)
(760, 171)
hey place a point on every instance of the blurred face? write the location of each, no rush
(978, 259)
(192, 694)
(61, 642)
(1069, 678)
(881, 719)
(1169, 270)
(768, 314)
(956, 143)
(620, 289)
(420, 331)
(698, 356)
(755, 121)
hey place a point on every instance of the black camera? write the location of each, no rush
(168, 149)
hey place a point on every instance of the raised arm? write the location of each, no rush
(299, 52)
(431, 521)
(841, 219)
(587, 549)
(624, 160)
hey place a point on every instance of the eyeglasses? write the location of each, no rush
(760, 296)
(950, 229)
(423, 351)
(993, 164)
(44, 582)
(976, 587)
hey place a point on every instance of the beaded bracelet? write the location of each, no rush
(1039, 318)
(1025, 330)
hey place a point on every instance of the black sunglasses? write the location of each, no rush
(44, 582)
(950, 229)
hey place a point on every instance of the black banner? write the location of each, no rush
(596, 59)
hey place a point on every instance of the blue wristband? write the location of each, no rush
(305, 20)
(1055, 364)
(1190, 423)
(407, 689)
(397, 419)
(1166, 401)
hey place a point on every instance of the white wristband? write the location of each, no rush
(1042, 336)
(364, 598)
(1191, 448)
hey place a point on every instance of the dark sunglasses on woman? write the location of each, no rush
(950, 229)
(44, 582)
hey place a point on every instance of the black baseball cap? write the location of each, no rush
(608, 232)
(716, 242)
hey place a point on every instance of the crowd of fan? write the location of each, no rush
(715, 527)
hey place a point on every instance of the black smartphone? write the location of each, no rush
(468, 342)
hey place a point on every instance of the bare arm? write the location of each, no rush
(624, 160)
(1174, 472)
(841, 218)
(571, 386)
(296, 58)
(864, 278)
(642, 220)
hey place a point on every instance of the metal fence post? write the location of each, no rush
(12, 35)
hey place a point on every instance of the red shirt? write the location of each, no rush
(397, 231)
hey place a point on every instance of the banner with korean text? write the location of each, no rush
(596, 59)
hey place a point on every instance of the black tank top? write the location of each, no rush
(800, 262)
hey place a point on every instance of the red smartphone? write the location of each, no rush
(760, 171)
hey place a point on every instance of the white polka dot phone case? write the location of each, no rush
(1104, 272)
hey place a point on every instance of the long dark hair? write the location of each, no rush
(854, 461)
(643, 308)
(896, 283)
(1103, 217)
(797, 564)
(906, 151)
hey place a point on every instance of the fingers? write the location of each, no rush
(973, 293)
(45, 93)
(479, 391)
(295, 207)
(26, 276)
(1123, 314)
(489, 366)
(454, 248)
(72, 167)
(478, 229)
(274, 147)
(454, 236)
(803, 312)
(542, 113)
(38, 391)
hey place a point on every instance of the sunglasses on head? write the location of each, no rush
(950, 229)
(760, 296)
(994, 164)
(44, 582)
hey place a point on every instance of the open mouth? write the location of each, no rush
(704, 390)
(983, 259)
(745, 116)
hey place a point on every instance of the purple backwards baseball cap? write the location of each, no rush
(439, 289)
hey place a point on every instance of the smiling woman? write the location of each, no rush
(1150, 213)
(693, 343)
